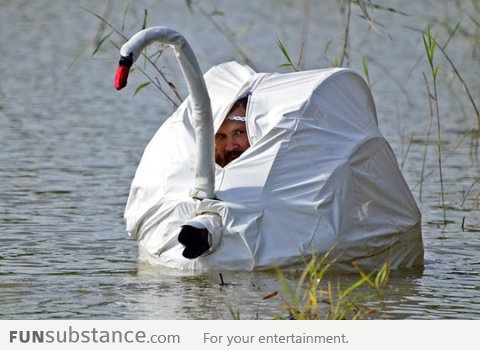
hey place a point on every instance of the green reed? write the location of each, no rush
(430, 44)
(285, 53)
(318, 297)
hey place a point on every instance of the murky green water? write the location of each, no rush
(69, 146)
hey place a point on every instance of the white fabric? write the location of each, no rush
(318, 174)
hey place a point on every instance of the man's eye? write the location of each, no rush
(239, 132)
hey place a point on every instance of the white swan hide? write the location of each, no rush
(318, 175)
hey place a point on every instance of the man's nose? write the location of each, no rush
(231, 145)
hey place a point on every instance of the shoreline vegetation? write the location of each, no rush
(317, 294)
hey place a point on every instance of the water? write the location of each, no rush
(69, 146)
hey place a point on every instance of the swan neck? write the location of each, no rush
(202, 111)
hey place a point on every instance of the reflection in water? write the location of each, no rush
(69, 146)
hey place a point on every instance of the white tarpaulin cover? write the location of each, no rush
(318, 174)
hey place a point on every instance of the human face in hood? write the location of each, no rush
(231, 139)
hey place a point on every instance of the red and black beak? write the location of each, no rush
(122, 71)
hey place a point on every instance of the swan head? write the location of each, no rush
(132, 49)
(123, 69)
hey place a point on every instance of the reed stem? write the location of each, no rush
(430, 45)
(427, 138)
(346, 34)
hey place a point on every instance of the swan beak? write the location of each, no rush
(121, 77)
(122, 72)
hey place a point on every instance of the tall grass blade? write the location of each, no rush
(100, 43)
(427, 138)
(284, 51)
(78, 55)
(140, 87)
(382, 276)
(355, 285)
(235, 314)
(345, 53)
(119, 33)
(454, 31)
(366, 72)
(430, 45)
(145, 16)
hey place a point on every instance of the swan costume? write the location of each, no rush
(318, 174)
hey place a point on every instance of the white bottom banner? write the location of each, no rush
(263, 335)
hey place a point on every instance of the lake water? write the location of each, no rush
(69, 146)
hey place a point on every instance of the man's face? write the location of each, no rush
(231, 139)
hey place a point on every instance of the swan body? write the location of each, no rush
(318, 174)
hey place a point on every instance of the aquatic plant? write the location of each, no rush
(318, 297)
(460, 23)
(430, 44)
(366, 72)
(234, 313)
(289, 62)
